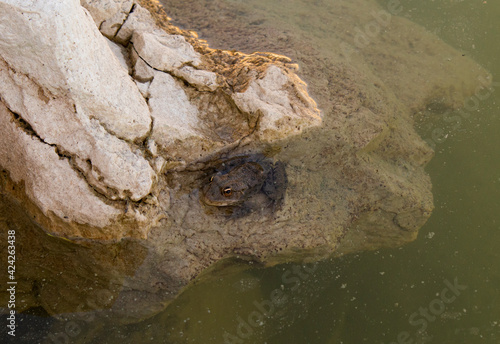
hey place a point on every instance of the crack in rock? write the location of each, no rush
(132, 9)
(63, 154)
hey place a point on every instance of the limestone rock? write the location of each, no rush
(111, 25)
(175, 118)
(65, 53)
(164, 52)
(70, 86)
(138, 20)
(270, 97)
(104, 10)
(273, 106)
(121, 54)
(142, 72)
(201, 79)
(49, 179)
(108, 162)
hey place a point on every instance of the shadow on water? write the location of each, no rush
(33, 326)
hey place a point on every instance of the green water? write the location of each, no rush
(442, 288)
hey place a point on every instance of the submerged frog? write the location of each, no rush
(246, 183)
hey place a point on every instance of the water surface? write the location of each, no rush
(442, 288)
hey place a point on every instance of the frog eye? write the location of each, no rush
(227, 191)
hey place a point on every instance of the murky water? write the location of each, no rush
(442, 288)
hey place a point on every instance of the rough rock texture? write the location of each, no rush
(356, 176)
(58, 56)
(62, 78)
(71, 92)
(50, 173)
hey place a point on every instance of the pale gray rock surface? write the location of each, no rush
(49, 178)
(63, 51)
(271, 96)
(175, 118)
(138, 20)
(164, 52)
(107, 11)
(112, 166)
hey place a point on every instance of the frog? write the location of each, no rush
(244, 184)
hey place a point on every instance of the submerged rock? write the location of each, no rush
(100, 154)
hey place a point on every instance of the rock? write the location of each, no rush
(85, 116)
(201, 79)
(111, 26)
(64, 52)
(141, 71)
(191, 125)
(107, 162)
(138, 20)
(143, 88)
(72, 89)
(164, 52)
(50, 178)
(103, 10)
(270, 98)
(121, 54)
(175, 118)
